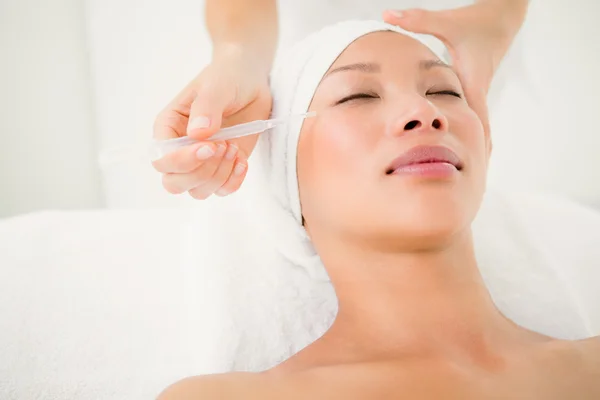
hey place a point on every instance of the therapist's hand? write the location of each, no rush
(227, 92)
(477, 36)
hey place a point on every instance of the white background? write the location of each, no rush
(83, 79)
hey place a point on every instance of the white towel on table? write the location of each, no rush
(120, 304)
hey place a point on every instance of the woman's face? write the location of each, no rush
(395, 154)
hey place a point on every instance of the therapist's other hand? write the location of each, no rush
(477, 36)
(227, 92)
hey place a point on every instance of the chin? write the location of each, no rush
(428, 224)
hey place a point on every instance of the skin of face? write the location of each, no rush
(405, 99)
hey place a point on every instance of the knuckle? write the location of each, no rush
(161, 120)
(168, 123)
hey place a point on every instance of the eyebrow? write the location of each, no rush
(372, 68)
(362, 67)
(429, 64)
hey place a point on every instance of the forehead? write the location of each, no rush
(384, 47)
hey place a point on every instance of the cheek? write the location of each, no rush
(330, 153)
(468, 126)
(469, 130)
(337, 141)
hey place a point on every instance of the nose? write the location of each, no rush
(420, 116)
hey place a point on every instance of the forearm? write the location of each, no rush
(507, 3)
(513, 11)
(243, 27)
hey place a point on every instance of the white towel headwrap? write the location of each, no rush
(294, 80)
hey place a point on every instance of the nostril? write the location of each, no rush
(412, 125)
(437, 124)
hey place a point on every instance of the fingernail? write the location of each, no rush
(222, 192)
(239, 169)
(198, 123)
(231, 152)
(205, 152)
(397, 13)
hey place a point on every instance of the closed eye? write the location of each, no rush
(445, 93)
(355, 97)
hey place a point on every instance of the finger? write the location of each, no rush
(206, 112)
(235, 179)
(186, 159)
(179, 183)
(219, 178)
(173, 120)
(237, 176)
(419, 21)
(169, 125)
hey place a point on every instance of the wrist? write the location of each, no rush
(512, 12)
(229, 52)
(253, 59)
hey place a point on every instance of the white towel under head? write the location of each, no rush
(294, 80)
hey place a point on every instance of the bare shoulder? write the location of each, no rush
(583, 353)
(589, 352)
(211, 387)
(572, 366)
(592, 344)
(586, 367)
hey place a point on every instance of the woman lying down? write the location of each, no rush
(390, 175)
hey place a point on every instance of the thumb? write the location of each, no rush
(206, 112)
(419, 21)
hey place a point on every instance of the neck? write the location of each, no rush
(406, 302)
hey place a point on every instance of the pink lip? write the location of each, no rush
(427, 161)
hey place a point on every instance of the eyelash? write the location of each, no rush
(447, 92)
(356, 96)
(370, 96)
